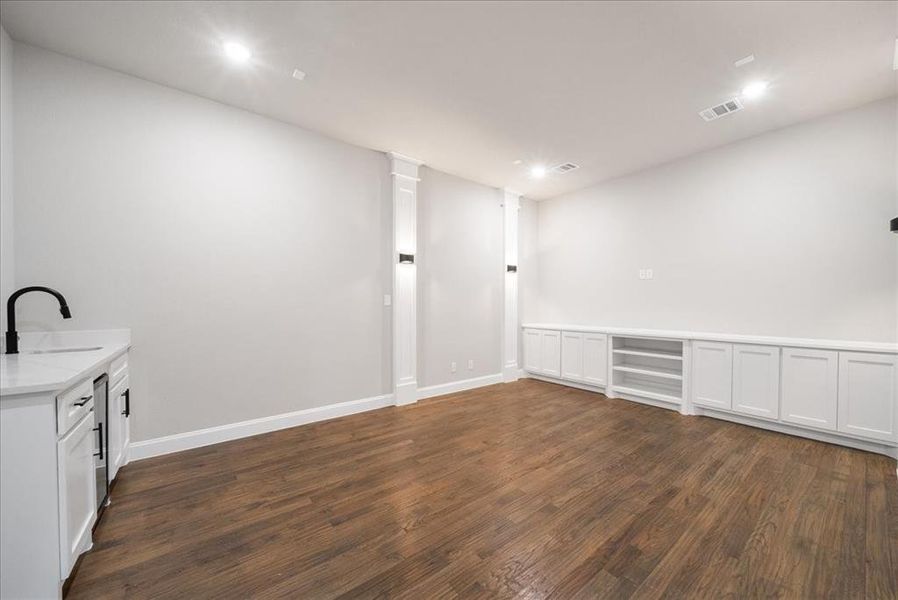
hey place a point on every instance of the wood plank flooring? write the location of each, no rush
(524, 490)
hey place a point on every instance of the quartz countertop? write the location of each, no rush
(30, 373)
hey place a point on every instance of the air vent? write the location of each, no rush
(721, 110)
(564, 168)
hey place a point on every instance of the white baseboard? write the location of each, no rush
(458, 386)
(820, 436)
(233, 431)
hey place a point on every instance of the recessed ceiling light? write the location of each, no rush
(538, 171)
(744, 61)
(517, 162)
(754, 89)
(237, 52)
(297, 74)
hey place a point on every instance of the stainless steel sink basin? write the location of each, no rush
(64, 350)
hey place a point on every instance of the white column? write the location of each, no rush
(510, 326)
(405, 197)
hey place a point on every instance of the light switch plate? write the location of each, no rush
(453, 366)
(649, 274)
(471, 364)
(642, 273)
(388, 299)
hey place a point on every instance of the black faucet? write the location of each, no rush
(12, 336)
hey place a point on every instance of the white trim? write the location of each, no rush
(405, 276)
(406, 393)
(458, 386)
(510, 329)
(235, 431)
(859, 346)
(511, 373)
(820, 436)
(404, 158)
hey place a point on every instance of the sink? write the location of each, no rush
(64, 350)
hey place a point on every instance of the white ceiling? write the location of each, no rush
(471, 87)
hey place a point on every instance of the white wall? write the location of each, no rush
(249, 257)
(7, 251)
(460, 278)
(782, 234)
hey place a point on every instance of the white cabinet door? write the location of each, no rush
(595, 358)
(572, 356)
(532, 350)
(550, 356)
(756, 380)
(867, 395)
(119, 434)
(77, 492)
(114, 430)
(809, 387)
(712, 368)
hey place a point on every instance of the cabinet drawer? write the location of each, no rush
(72, 405)
(118, 369)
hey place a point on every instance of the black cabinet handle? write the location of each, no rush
(84, 400)
(99, 428)
(127, 395)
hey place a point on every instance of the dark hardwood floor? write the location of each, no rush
(527, 490)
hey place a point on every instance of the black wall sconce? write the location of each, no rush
(511, 268)
(894, 225)
(406, 259)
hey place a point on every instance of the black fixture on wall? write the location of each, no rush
(406, 259)
(894, 225)
(12, 336)
(511, 268)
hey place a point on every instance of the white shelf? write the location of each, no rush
(647, 391)
(649, 353)
(675, 374)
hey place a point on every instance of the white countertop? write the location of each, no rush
(859, 346)
(27, 373)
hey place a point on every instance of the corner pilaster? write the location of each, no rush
(510, 326)
(405, 199)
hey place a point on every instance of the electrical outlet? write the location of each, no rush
(649, 274)
(471, 364)
(453, 367)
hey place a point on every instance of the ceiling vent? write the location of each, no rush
(565, 167)
(721, 110)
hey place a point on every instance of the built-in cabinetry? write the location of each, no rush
(584, 357)
(810, 387)
(77, 488)
(852, 393)
(756, 380)
(50, 444)
(119, 414)
(648, 368)
(868, 385)
(542, 352)
(714, 389)
(845, 393)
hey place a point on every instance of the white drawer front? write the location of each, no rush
(73, 404)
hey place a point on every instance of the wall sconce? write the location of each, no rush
(511, 268)
(406, 259)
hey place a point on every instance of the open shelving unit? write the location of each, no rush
(649, 368)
